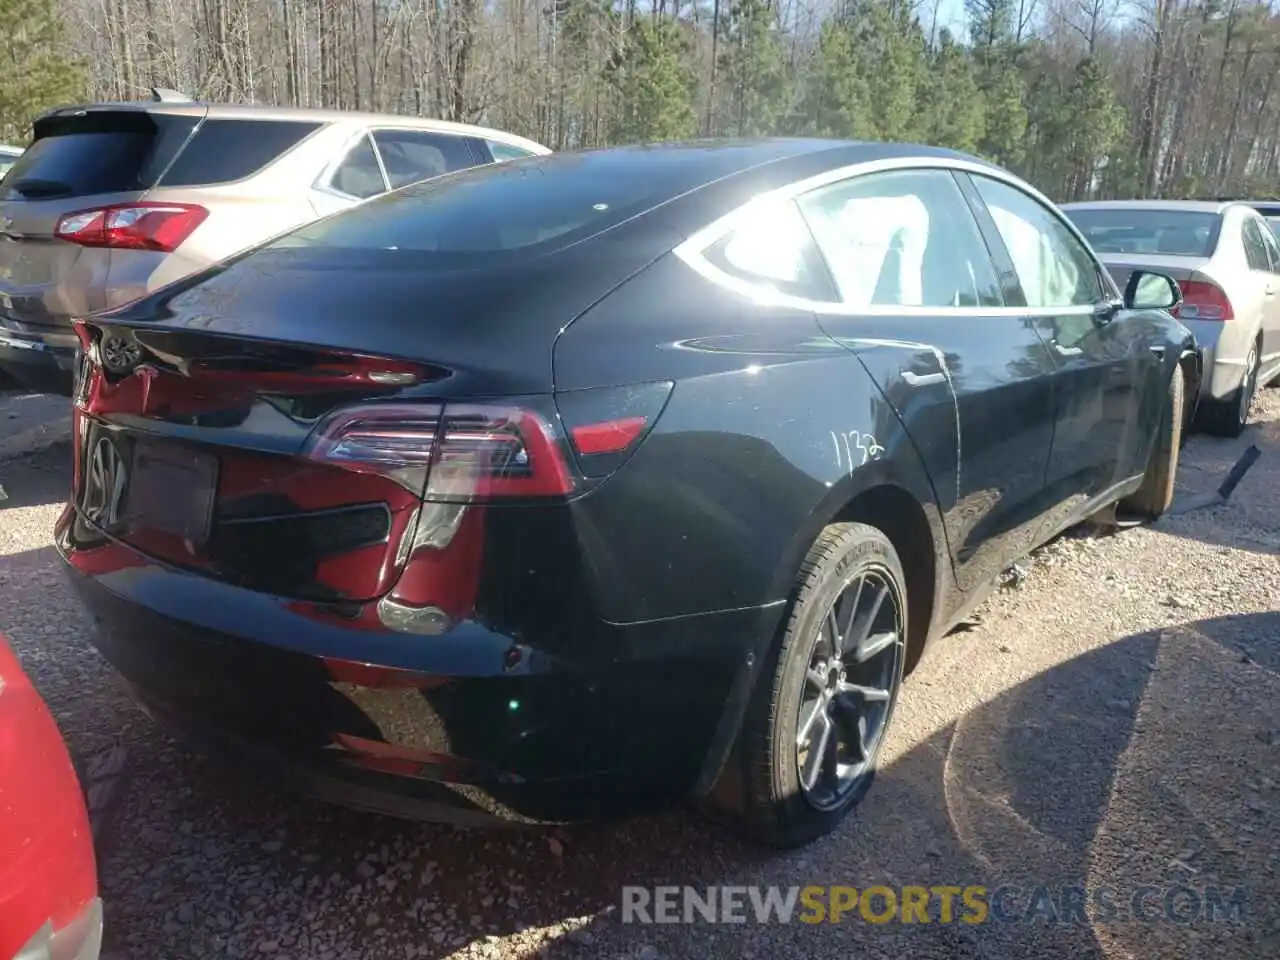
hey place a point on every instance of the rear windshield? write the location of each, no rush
(518, 208)
(1178, 233)
(98, 153)
(128, 151)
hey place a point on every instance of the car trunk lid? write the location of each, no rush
(208, 396)
(1183, 269)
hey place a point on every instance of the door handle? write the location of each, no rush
(923, 380)
(1271, 291)
(1067, 351)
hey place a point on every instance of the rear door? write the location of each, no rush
(390, 158)
(1108, 381)
(77, 160)
(1271, 329)
(924, 308)
(1262, 257)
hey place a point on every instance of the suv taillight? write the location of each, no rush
(1203, 301)
(132, 226)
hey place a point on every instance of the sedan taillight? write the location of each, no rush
(1203, 301)
(133, 226)
(449, 453)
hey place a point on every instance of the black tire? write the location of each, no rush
(1152, 499)
(778, 809)
(1228, 417)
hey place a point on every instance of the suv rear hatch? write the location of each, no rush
(79, 158)
(77, 218)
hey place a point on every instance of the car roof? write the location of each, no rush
(11, 151)
(284, 114)
(689, 164)
(1189, 206)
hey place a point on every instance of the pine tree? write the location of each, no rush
(953, 109)
(835, 100)
(1097, 123)
(37, 72)
(1005, 126)
(894, 69)
(754, 71)
(654, 84)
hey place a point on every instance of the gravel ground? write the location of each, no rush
(1111, 720)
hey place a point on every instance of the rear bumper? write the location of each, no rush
(38, 359)
(1223, 353)
(475, 725)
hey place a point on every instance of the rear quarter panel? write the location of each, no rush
(771, 429)
(1229, 342)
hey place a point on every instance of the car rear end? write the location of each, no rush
(49, 906)
(112, 201)
(1180, 243)
(333, 518)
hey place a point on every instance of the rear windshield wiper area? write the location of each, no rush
(33, 188)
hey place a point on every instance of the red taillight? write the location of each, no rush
(452, 453)
(611, 436)
(132, 226)
(1203, 301)
(605, 424)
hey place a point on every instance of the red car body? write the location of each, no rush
(49, 905)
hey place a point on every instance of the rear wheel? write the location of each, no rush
(1155, 495)
(819, 715)
(1227, 417)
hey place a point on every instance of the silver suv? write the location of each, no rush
(111, 201)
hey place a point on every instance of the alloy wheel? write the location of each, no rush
(850, 687)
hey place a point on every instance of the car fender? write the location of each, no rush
(902, 471)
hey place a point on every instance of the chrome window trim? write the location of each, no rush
(692, 250)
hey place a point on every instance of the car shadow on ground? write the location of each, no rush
(37, 478)
(1151, 761)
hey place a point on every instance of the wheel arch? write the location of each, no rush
(896, 499)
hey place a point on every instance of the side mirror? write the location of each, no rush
(1151, 291)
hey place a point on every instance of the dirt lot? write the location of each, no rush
(1110, 721)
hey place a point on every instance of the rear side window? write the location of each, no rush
(1178, 233)
(97, 153)
(1255, 249)
(359, 174)
(224, 150)
(902, 238)
(1272, 247)
(412, 155)
(505, 151)
(774, 249)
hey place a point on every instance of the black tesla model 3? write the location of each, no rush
(593, 481)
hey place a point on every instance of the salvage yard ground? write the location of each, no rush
(1111, 721)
